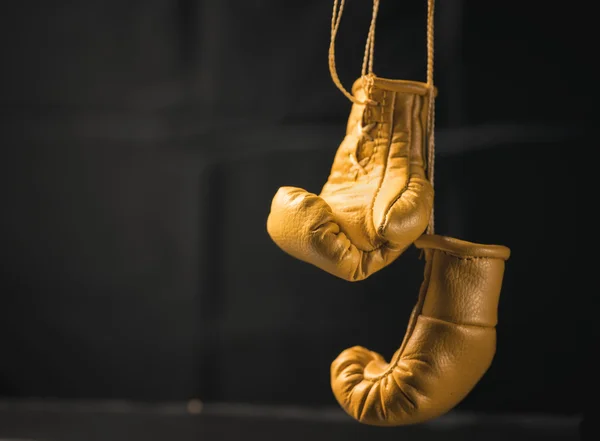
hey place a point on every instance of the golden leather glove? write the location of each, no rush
(449, 344)
(377, 200)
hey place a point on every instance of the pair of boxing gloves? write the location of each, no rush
(377, 202)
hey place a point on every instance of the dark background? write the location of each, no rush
(142, 142)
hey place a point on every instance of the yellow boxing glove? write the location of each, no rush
(377, 200)
(449, 344)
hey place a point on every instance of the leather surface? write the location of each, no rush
(449, 344)
(376, 201)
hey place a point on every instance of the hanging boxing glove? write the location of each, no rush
(449, 344)
(377, 200)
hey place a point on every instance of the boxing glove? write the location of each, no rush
(377, 199)
(449, 344)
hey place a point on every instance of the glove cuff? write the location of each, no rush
(461, 248)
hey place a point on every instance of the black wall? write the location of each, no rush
(142, 143)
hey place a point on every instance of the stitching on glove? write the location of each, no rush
(385, 165)
(448, 253)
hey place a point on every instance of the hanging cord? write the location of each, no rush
(431, 111)
(367, 67)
